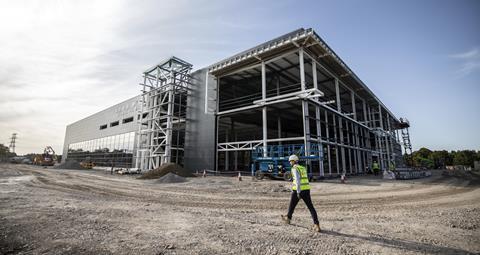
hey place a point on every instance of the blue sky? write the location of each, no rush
(64, 60)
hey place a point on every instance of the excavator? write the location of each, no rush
(87, 163)
(48, 157)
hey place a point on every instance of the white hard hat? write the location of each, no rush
(293, 158)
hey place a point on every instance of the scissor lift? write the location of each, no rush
(276, 166)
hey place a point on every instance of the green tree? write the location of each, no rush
(461, 158)
(439, 158)
(424, 152)
(421, 158)
(425, 162)
(471, 155)
(449, 159)
(408, 159)
(3, 150)
(5, 153)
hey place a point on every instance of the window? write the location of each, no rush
(113, 124)
(127, 120)
(103, 126)
(108, 149)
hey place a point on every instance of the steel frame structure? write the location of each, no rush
(12, 142)
(354, 131)
(407, 144)
(162, 114)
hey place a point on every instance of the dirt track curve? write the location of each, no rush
(54, 211)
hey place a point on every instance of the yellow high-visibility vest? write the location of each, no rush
(304, 184)
(392, 167)
(375, 166)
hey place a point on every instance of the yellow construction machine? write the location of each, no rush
(48, 157)
(87, 163)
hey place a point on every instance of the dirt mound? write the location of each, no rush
(69, 164)
(165, 169)
(171, 178)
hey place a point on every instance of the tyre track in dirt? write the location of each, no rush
(220, 215)
(142, 191)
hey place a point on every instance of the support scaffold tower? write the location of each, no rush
(407, 145)
(162, 115)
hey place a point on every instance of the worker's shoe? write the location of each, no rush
(316, 228)
(285, 219)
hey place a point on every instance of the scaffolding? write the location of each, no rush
(162, 114)
(407, 145)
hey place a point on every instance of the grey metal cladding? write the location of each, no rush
(200, 129)
(89, 127)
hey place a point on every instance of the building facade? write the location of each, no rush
(105, 137)
(292, 94)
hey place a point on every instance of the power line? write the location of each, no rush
(12, 143)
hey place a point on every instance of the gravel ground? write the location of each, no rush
(55, 211)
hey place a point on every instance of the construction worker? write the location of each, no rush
(392, 166)
(300, 189)
(375, 168)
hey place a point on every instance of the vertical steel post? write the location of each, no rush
(340, 124)
(279, 119)
(342, 141)
(279, 127)
(337, 93)
(370, 119)
(328, 145)
(354, 107)
(206, 92)
(306, 119)
(226, 152)
(317, 122)
(391, 159)
(365, 113)
(235, 153)
(264, 110)
(381, 136)
(168, 136)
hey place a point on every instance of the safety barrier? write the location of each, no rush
(411, 174)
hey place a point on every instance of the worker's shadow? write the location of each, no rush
(399, 244)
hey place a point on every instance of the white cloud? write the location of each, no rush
(64, 60)
(473, 53)
(469, 62)
(51, 52)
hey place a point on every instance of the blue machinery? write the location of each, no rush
(276, 164)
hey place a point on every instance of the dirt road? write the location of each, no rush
(51, 211)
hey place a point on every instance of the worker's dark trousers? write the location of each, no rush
(305, 195)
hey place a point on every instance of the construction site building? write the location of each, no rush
(290, 94)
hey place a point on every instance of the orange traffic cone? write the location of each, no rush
(204, 173)
(239, 177)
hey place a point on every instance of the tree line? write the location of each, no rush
(5, 153)
(439, 159)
